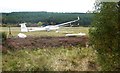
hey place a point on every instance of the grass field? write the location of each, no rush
(54, 59)
(62, 31)
(75, 58)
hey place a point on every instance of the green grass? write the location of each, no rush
(62, 31)
(51, 59)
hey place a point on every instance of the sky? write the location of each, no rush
(46, 5)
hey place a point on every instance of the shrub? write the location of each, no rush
(105, 36)
(3, 37)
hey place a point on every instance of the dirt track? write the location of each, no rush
(44, 42)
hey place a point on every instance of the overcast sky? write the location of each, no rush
(46, 5)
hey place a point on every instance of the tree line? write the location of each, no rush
(46, 18)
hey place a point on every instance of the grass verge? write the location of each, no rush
(52, 59)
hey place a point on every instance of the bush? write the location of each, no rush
(3, 37)
(105, 36)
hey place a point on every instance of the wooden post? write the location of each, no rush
(9, 33)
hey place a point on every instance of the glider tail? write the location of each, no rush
(23, 27)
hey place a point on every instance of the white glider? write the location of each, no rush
(79, 34)
(47, 28)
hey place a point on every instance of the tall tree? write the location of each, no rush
(104, 35)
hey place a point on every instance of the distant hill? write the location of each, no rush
(46, 17)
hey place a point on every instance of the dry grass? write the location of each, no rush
(62, 31)
(50, 59)
(54, 59)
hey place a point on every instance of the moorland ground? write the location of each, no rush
(48, 51)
